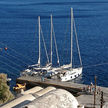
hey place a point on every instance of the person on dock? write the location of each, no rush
(42, 78)
(91, 87)
(88, 89)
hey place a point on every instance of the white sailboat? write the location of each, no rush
(50, 68)
(53, 35)
(67, 71)
(49, 63)
(36, 68)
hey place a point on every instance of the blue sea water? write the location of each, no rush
(19, 33)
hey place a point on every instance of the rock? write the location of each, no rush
(5, 93)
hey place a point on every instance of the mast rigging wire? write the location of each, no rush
(56, 47)
(18, 53)
(44, 45)
(10, 61)
(10, 66)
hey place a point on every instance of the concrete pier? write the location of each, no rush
(34, 81)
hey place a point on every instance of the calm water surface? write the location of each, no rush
(19, 32)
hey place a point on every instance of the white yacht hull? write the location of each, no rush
(71, 74)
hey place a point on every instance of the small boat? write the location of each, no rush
(19, 86)
(9, 79)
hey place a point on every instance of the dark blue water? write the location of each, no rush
(19, 33)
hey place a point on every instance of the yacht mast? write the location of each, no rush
(51, 38)
(39, 41)
(77, 43)
(71, 34)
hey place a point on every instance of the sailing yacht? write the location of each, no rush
(36, 68)
(67, 71)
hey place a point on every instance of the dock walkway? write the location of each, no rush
(70, 86)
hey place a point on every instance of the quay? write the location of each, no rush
(85, 99)
(37, 81)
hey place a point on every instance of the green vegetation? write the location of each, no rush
(5, 94)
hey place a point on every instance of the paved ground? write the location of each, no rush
(87, 99)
